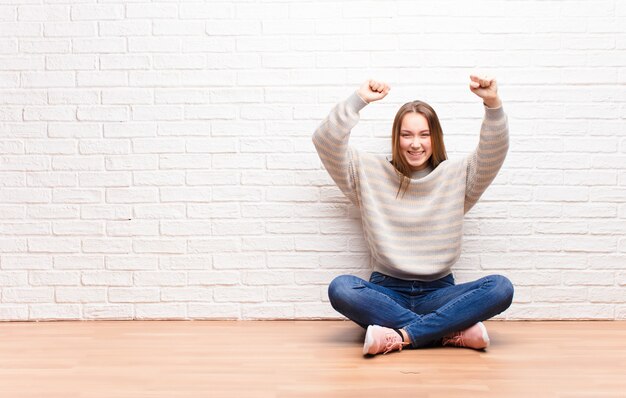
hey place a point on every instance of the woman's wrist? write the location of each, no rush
(492, 102)
(362, 97)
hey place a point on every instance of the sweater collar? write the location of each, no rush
(416, 175)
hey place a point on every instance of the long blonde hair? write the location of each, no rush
(436, 139)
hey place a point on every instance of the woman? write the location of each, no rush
(412, 210)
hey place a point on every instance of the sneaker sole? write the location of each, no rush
(485, 335)
(369, 340)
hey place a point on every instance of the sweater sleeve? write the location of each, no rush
(331, 142)
(484, 163)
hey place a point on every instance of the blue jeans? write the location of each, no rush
(427, 311)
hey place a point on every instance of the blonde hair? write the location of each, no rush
(436, 139)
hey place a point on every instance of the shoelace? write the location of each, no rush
(456, 339)
(392, 343)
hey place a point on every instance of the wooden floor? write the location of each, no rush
(303, 359)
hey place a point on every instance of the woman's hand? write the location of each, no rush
(373, 90)
(486, 88)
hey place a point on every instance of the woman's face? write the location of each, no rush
(415, 143)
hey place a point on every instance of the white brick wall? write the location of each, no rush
(156, 162)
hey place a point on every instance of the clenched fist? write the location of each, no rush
(373, 90)
(486, 88)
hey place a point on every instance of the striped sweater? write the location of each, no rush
(416, 236)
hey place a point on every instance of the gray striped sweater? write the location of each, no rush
(416, 236)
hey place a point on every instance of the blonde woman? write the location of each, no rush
(412, 210)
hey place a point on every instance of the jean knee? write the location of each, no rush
(339, 289)
(504, 289)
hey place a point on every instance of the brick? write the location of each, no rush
(587, 311)
(268, 311)
(239, 261)
(126, 96)
(102, 113)
(133, 295)
(214, 245)
(70, 29)
(186, 262)
(185, 61)
(239, 294)
(135, 162)
(153, 44)
(22, 63)
(161, 246)
(14, 312)
(78, 228)
(212, 178)
(214, 311)
(80, 295)
(160, 311)
(159, 211)
(108, 245)
(214, 145)
(159, 178)
(126, 28)
(65, 195)
(91, 12)
(322, 244)
(107, 311)
(265, 277)
(265, 178)
(213, 210)
(185, 228)
(71, 62)
(28, 295)
(55, 179)
(50, 113)
(159, 278)
(150, 112)
(105, 147)
(78, 262)
(187, 294)
(25, 228)
(132, 228)
(107, 179)
(267, 243)
(130, 263)
(35, 46)
(151, 10)
(589, 278)
(213, 277)
(110, 212)
(28, 262)
(124, 62)
(185, 161)
(99, 46)
(74, 130)
(191, 194)
(53, 245)
(560, 295)
(130, 129)
(54, 312)
(292, 294)
(231, 27)
(181, 96)
(237, 228)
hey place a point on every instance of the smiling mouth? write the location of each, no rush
(415, 153)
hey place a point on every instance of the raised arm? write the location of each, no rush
(484, 163)
(332, 136)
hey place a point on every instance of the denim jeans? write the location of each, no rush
(427, 311)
